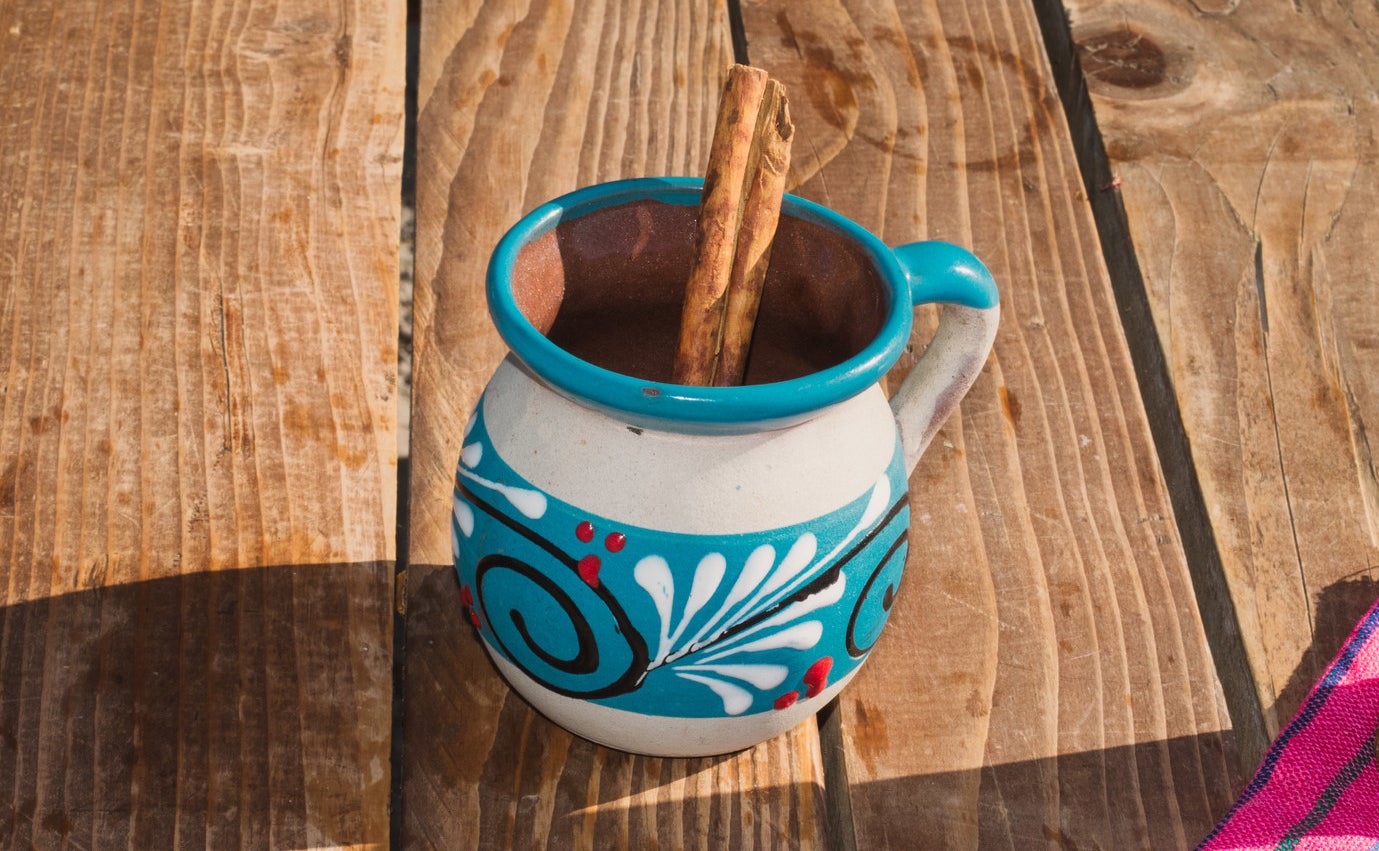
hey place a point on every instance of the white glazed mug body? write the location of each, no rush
(676, 594)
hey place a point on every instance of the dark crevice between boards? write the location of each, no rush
(738, 31)
(395, 754)
(407, 245)
(1214, 600)
(840, 832)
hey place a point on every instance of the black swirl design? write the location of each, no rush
(580, 604)
(854, 650)
(586, 658)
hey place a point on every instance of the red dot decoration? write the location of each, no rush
(787, 700)
(817, 676)
(585, 531)
(466, 596)
(615, 541)
(474, 619)
(589, 570)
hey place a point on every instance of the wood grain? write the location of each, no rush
(1045, 679)
(1242, 135)
(520, 102)
(198, 320)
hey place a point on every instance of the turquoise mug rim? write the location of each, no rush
(675, 405)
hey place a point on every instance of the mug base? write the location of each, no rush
(661, 735)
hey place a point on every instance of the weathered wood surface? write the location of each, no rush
(198, 319)
(520, 102)
(1242, 135)
(1045, 679)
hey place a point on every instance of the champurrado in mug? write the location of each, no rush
(685, 571)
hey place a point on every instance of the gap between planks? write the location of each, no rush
(407, 251)
(1218, 614)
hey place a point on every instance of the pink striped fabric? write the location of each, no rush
(1318, 787)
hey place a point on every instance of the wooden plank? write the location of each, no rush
(1247, 170)
(520, 102)
(198, 316)
(1045, 679)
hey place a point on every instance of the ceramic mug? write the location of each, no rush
(686, 571)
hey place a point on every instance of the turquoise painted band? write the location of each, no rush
(580, 615)
(912, 274)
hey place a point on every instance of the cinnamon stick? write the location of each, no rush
(720, 217)
(767, 169)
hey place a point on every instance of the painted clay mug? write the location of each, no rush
(686, 571)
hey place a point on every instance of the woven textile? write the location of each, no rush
(1318, 787)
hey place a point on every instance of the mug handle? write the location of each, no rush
(944, 273)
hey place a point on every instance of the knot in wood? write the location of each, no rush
(1123, 57)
